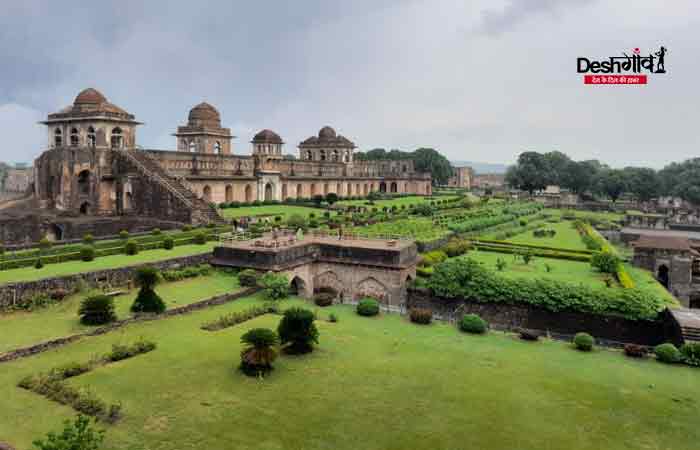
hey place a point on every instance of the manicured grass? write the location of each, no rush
(372, 383)
(419, 228)
(644, 280)
(566, 238)
(410, 200)
(270, 210)
(22, 329)
(102, 263)
(590, 215)
(560, 270)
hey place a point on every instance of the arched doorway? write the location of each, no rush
(54, 233)
(206, 193)
(229, 193)
(268, 192)
(394, 186)
(248, 194)
(299, 191)
(85, 208)
(297, 286)
(284, 192)
(382, 187)
(84, 182)
(662, 275)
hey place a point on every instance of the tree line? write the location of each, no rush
(534, 171)
(424, 160)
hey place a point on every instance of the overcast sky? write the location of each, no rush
(478, 80)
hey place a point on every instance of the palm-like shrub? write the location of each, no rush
(691, 354)
(147, 300)
(275, 287)
(97, 310)
(368, 307)
(471, 323)
(258, 355)
(297, 329)
(584, 342)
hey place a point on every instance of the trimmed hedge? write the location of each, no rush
(368, 307)
(667, 353)
(584, 342)
(471, 323)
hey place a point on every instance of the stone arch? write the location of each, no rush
(229, 193)
(394, 187)
(328, 280)
(313, 189)
(348, 190)
(382, 187)
(74, 137)
(284, 192)
(84, 182)
(269, 192)
(54, 232)
(299, 191)
(206, 193)
(85, 208)
(116, 139)
(248, 193)
(91, 137)
(662, 275)
(365, 189)
(371, 287)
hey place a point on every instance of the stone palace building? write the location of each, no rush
(94, 167)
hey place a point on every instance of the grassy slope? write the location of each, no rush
(567, 237)
(411, 200)
(104, 262)
(270, 210)
(26, 328)
(379, 383)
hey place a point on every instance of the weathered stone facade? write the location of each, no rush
(462, 178)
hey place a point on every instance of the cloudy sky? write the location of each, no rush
(478, 80)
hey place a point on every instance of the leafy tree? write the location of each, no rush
(331, 198)
(531, 173)
(682, 180)
(643, 182)
(78, 435)
(430, 160)
(276, 287)
(147, 300)
(298, 330)
(258, 355)
(556, 162)
(612, 183)
(579, 176)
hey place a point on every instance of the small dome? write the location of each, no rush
(90, 96)
(204, 113)
(326, 133)
(267, 137)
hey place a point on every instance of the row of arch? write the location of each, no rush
(74, 138)
(330, 155)
(191, 146)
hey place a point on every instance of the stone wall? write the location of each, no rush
(609, 329)
(14, 294)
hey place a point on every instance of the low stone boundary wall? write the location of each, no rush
(429, 246)
(564, 324)
(15, 294)
(48, 345)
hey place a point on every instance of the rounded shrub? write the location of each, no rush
(422, 316)
(667, 353)
(168, 243)
(156, 232)
(88, 239)
(297, 329)
(296, 221)
(605, 262)
(324, 299)
(186, 228)
(259, 351)
(97, 310)
(276, 286)
(131, 247)
(690, 353)
(39, 264)
(200, 238)
(248, 278)
(471, 323)
(44, 243)
(87, 253)
(124, 235)
(368, 307)
(584, 342)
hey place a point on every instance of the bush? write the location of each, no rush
(147, 301)
(78, 435)
(433, 258)
(298, 330)
(200, 238)
(690, 354)
(500, 264)
(296, 221)
(156, 232)
(259, 353)
(131, 248)
(421, 316)
(39, 263)
(44, 243)
(168, 243)
(88, 239)
(275, 286)
(635, 351)
(248, 278)
(237, 317)
(605, 262)
(529, 335)
(584, 342)
(87, 253)
(120, 352)
(97, 310)
(186, 228)
(368, 307)
(668, 353)
(324, 298)
(471, 323)
(332, 318)
(456, 247)
(124, 235)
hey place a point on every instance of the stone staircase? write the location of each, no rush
(201, 212)
(688, 322)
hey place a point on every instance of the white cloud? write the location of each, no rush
(21, 135)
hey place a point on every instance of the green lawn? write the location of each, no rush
(22, 329)
(398, 201)
(644, 280)
(373, 383)
(101, 263)
(270, 210)
(567, 237)
(419, 228)
(560, 270)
